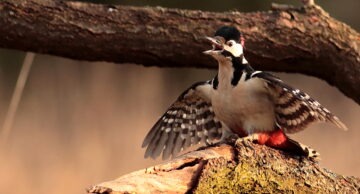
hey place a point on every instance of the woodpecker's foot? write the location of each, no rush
(209, 143)
(228, 137)
(230, 140)
(245, 140)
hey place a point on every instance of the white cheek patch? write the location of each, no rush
(236, 49)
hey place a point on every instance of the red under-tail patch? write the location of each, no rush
(277, 139)
(273, 139)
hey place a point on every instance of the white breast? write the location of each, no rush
(247, 106)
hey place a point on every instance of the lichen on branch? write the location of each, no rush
(243, 168)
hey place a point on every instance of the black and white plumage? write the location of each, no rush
(295, 109)
(189, 120)
(238, 99)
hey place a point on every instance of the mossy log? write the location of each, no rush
(245, 168)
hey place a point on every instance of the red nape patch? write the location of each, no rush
(273, 139)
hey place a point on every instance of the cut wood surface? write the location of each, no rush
(244, 168)
(302, 40)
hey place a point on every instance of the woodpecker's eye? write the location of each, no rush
(230, 44)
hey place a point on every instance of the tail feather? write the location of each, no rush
(336, 121)
(302, 149)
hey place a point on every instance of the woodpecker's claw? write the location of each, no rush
(245, 140)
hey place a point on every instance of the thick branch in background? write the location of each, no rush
(305, 40)
(245, 168)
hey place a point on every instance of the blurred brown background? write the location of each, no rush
(81, 123)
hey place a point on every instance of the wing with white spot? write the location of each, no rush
(295, 109)
(189, 121)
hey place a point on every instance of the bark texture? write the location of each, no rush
(302, 40)
(244, 168)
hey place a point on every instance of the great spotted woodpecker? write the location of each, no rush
(254, 105)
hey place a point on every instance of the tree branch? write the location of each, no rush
(248, 168)
(302, 40)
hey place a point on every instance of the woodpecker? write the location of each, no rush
(254, 105)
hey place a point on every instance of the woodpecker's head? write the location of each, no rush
(227, 44)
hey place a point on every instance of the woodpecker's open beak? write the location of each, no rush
(217, 46)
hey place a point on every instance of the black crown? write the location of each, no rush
(229, 33)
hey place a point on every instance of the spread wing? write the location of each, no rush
(189, 121)
(295, 109)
